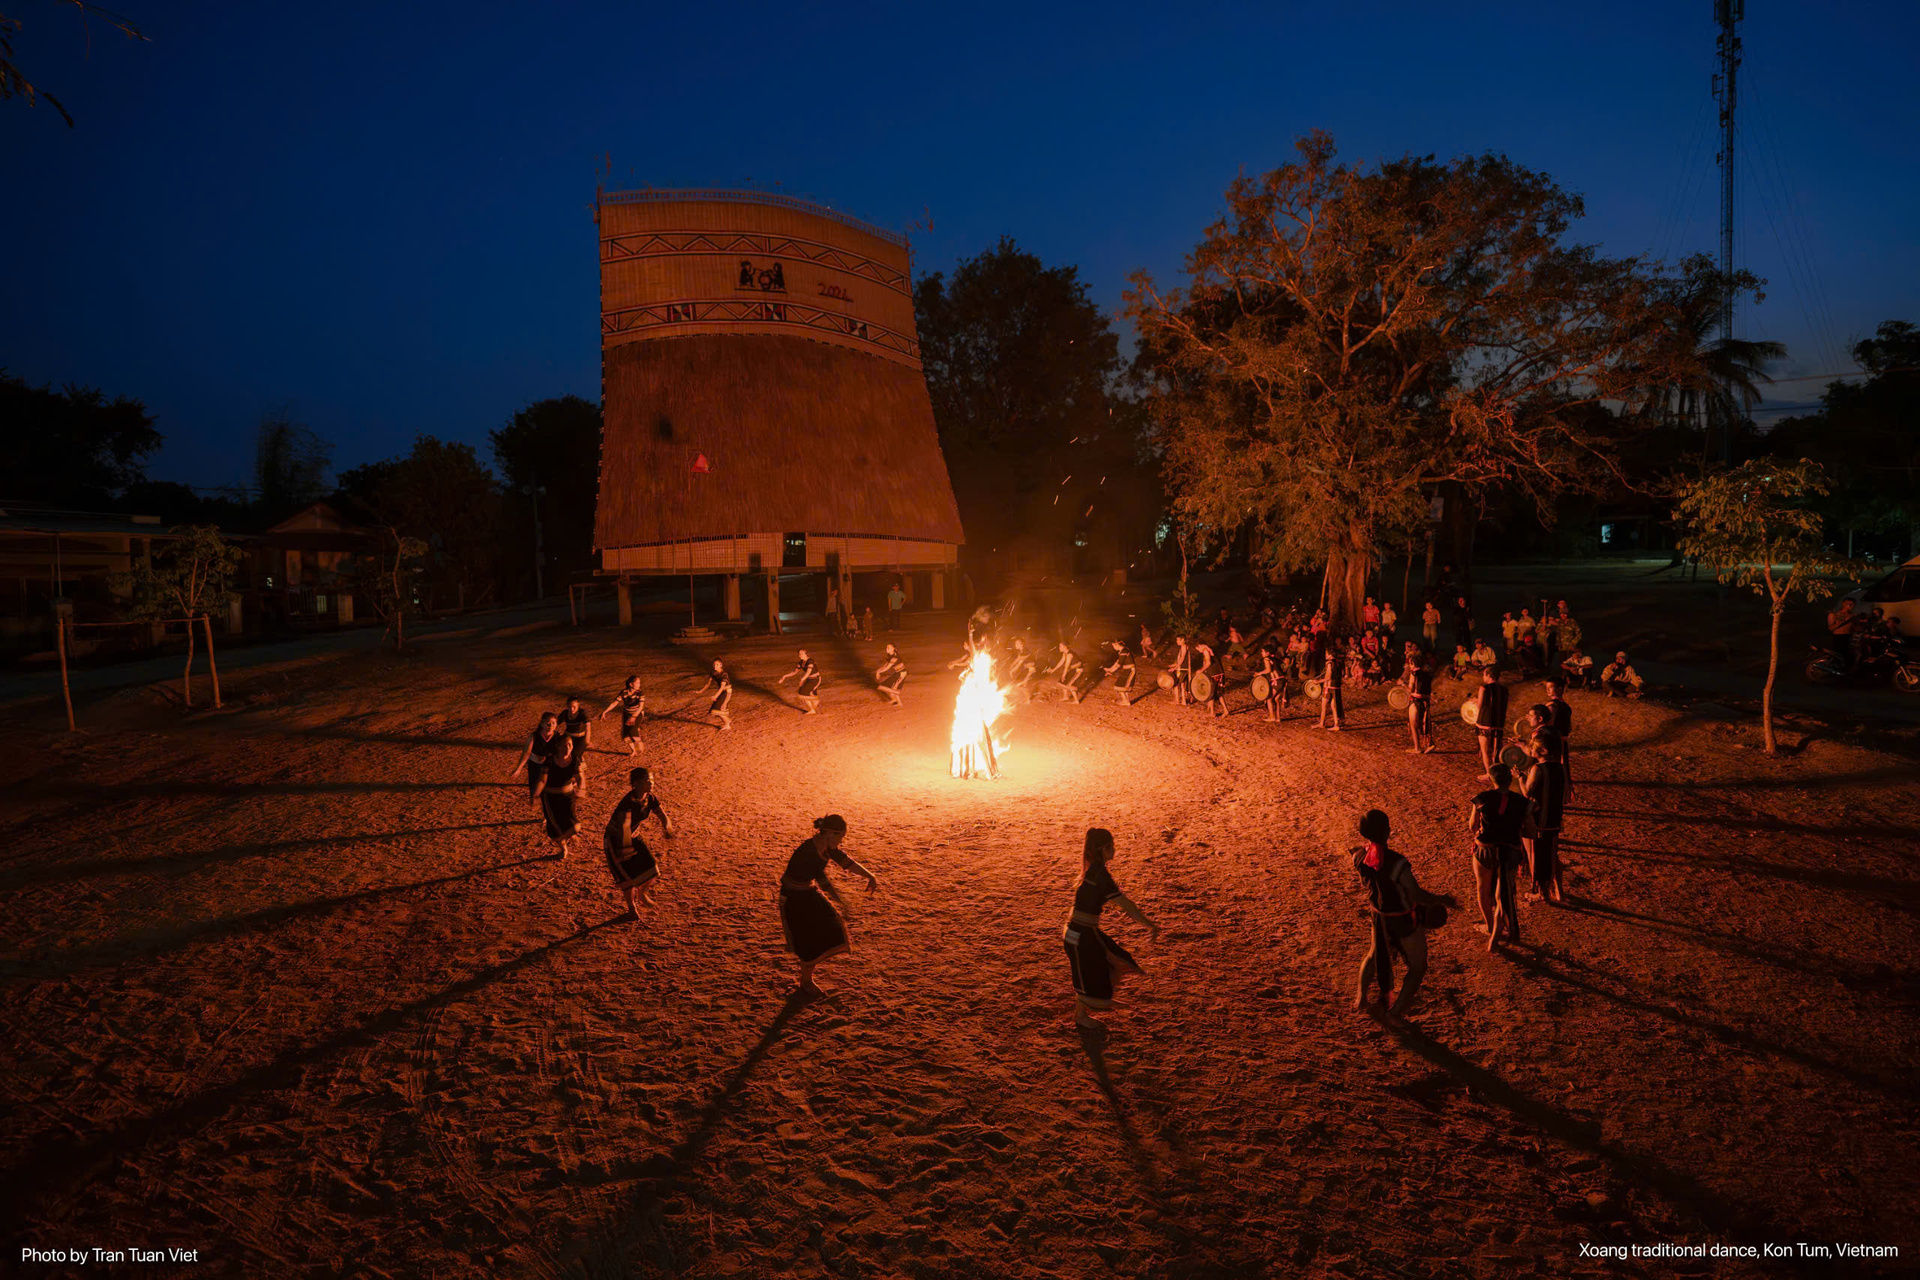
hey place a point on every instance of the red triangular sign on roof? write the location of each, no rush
(700, 464)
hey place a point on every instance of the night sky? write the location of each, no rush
(379, 214)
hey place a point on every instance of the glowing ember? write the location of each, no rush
(976, 754)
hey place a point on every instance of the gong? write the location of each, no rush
(1515, 757)
(1398, 698)
(1470, 711)
(1202, 687)
(1261, 687)
(1313, 688)
(1164, 679)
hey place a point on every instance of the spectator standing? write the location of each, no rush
(1430, 625)
(1462, 623)
(1389, 620)
(896, 603)
(1509, 630)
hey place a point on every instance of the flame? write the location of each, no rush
(975, 750)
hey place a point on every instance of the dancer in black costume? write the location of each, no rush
(1547, 788)
(541, 747)
(1122, 669)
(814, 930)
(720, 684)
(1501, 821)
(808, 689)
(892, 674)
(1394, 897)
(628, 858)
(1490, 718)
(1095, 959)
(560, 791)
(633, 709)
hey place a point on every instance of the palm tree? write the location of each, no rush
(1723, 375)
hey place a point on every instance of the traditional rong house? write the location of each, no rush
(764, 404)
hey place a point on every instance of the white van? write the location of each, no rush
(1897, 595)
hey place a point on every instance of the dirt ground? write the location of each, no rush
(295, 986)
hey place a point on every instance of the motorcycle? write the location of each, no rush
(1899, 663)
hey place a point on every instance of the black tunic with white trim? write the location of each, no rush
(628, 857)
(1092, 955)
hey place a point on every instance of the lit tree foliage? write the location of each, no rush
(1756, 527)
(1352, 341)
(188, 579)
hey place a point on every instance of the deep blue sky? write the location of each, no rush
(378, 214)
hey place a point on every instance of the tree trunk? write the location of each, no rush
(212, 668)
(1766, 694)
(1346, 591)
(186, 678)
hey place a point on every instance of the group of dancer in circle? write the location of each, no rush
(1509, 827)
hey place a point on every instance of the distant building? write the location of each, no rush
(47, 554)
(302, 571)
(764, 405)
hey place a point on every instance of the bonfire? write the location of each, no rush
(975, 753)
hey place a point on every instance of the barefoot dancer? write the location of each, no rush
(1067, 669)
(1501, 820)
(1562, 722)
(1182, 671)
(628, 858)
(546, 740)
(722, 686)
(814, 930)
(559, 790)
(1209, 664)
(1419, 679)
(1147, 649)
(1095, 959)
(808, 690)
(578, 723)
(1393, 895)
(633, 709)
(1122, 669)
(1547, 788)
(892, 674)
(1276, 682)
(1332, 676)
(1490, 717)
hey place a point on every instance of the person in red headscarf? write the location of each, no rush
(1398, 903)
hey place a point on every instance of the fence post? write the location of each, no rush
(213, 670)
(66, 691)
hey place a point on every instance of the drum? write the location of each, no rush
(1398, 698)
(1164, 680)
(1262, 690)
(1313, 688)
(1470, 711)
(1515, 757)
(1202, 687)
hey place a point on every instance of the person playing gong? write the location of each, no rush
(1276, 682)
(1332, 676)
(1547, 789)
(808, 690)
(633, 709)
(892, 674)
(1122, 669)
(1556, 687)
(546, 740)
(1181, 669)
(1211, 665)
(1419, 681)
(633, 865)
(1501, 821)
(814, 930)
(1096, 960)
(1394, 898)
(1490, 717)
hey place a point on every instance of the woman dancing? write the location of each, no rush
(814, 930)
(559, 790)
(808, 690)
(720, 684)
(1501, 822)
(633, 709)
(628, 858)
(1122, 669)
(1095, 959)
(893, 673)
(546, 740)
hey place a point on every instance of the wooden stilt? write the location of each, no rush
(66, 690)
(207, 621)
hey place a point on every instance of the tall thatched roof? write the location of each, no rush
(795, 435)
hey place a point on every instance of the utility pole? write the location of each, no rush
(539, 553)
(1728, 14)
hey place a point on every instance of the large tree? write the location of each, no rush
(440, 495)
(549, 454)
(1867, 438)
(1022, 366)
(290, 464)
(1356, 341)
(73, 447)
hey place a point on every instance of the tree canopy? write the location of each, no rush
(1022, 367)
(73, 447)
(553, 445)
(441, 496)
(1353, 341)
(290, 466)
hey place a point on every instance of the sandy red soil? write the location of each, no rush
(294, 986)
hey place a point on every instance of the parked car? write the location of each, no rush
(1897, 595)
